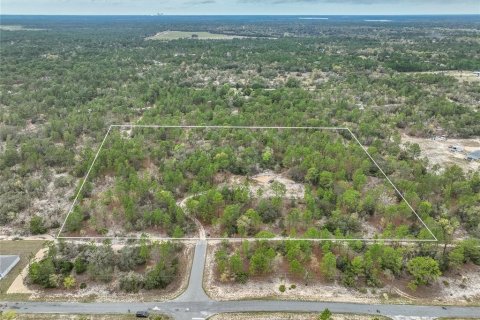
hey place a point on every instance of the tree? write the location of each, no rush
(329, 265)
(325, 315)
(456, 257)
(471, 249)
(261, 260)
(391, 259)
(268, 210)
(37, 225)
(278, 189)
(41, 273)
(74, 220)
(162, 274)
(350, 200)
(249, 223)
(296, 267)
(448, 228)
(80, 265)
(424, 269)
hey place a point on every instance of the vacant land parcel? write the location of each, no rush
(238, 182)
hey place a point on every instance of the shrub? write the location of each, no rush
(132, 282)
(241, 277)
(162, 275)
(37, 225)
(40, 273)
(268, 211)
(74, 220)
(69, 282)
(80, 265)
(63, 266)
(424, 269)
(282, 288)
(325, 315)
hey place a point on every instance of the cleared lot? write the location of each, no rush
(438, 152)
(200, 35)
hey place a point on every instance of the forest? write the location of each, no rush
(65, 81)
(333, 189)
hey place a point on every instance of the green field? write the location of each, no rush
(200, 35)
(24, 249)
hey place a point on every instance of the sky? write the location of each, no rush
(239, 7)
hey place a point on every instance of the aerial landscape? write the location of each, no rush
(240, 160)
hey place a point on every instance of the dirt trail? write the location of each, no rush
(183, 204)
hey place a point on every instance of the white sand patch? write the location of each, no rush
(264, 181)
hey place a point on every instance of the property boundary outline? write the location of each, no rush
(58, 236)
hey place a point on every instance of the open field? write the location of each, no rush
(288, 316)
(24, 249)
(200, 35)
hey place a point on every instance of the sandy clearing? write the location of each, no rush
(263, 181)
(437, 151)
(464, 287)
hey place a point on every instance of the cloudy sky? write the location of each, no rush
(202, 7)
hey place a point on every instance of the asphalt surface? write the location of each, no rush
(195, 304)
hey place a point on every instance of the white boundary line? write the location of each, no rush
(241, 239)
(390, 181)
(83, 182)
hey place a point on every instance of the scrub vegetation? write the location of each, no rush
(63, 85)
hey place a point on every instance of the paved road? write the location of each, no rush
(184, 310)
(195, 304)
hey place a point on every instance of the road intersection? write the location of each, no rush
(194, 303)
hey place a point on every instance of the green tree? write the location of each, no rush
(456, 257)
(74, 220)
(37, 225)
(328, 265)
(424, 269)
(325, 315)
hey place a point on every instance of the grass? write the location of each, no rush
(201, 35)
(23, 248)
